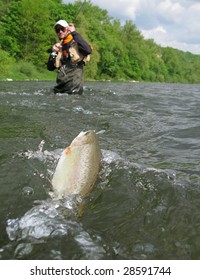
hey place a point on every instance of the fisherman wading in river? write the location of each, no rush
(69, 57)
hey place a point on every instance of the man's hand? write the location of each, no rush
(71, 28)
(57, 47)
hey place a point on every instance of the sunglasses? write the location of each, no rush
(58, 29)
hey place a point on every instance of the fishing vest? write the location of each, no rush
(72, 52)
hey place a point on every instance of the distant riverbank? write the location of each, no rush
(23, 71)
(26, 71)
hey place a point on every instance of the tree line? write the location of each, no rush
(120, 52)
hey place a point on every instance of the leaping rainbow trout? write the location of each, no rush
(78, 166)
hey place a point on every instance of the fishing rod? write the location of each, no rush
(79, 10)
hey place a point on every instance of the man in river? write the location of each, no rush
(68, 57)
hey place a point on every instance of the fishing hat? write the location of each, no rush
(62, 23)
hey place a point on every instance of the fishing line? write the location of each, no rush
(103, 99)
(81, 9)
(98, 121)
(74, 20)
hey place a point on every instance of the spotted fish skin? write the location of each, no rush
(78, 167)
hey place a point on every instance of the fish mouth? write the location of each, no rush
(84, 137)
(86, 133)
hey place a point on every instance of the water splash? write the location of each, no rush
(51, 219)
(27, 191)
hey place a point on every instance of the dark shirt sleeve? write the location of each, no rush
(84, 47)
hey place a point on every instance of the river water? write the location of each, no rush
(145, 204)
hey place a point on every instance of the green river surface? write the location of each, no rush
(146, 202)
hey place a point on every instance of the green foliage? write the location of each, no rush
(119, 52)
(5, 62)
(26, 68)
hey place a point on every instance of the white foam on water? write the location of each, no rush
(51, 219)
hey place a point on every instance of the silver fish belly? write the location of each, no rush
(78, 166)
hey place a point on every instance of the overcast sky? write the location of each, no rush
(173, 23)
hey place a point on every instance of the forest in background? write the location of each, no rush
(120, 52)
